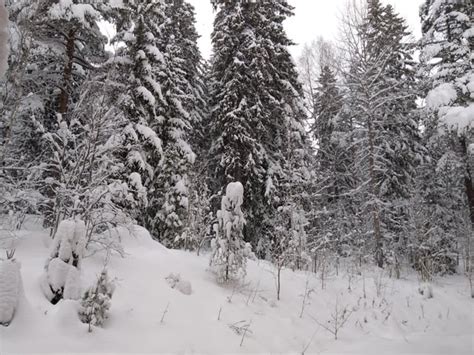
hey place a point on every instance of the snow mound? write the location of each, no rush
(148, 316)
(10, 290)
(65, 316)
(135, 237)
(62, 278)
(183, 286)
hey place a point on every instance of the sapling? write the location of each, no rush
(164, 313)
(339, 318)
(229, 251)
(380, 284)
(229, 298)
(256, 291)
(241, 328)
(307, 293)
(96, 302)
(246, 329)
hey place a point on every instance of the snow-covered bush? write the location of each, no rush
(175, 281)
(10, 288)
(229, 251)
(62, 276)
(426, 290)
(96, 302)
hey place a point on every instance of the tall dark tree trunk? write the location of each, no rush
(373, 191)
(67, 74)
(468, 183)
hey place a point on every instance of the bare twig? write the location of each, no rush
(164, 313)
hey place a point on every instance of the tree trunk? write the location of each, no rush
(67, 74)
(278, 281)
(373, 189)
(468, 183)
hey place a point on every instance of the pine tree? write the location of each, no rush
(257, 113)
(57, 47)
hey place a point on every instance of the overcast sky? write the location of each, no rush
(312, 18)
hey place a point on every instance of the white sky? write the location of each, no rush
(312, 18)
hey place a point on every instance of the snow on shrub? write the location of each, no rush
(442, 95)
(183, 286)
(10, 288)
(96, 302)
(426, 290)
(62, 277)
(229, 251)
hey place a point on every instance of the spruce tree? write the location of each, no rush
(331, 228)
(446, 186)
(96, 302)
(256, 117)
(136, 66)
(229, 251)
(180, 112)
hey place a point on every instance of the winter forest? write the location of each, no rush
(156, 201)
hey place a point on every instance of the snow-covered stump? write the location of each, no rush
(229, 251)
(62, 277)
(10, 289)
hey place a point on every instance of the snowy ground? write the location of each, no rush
(392, 318)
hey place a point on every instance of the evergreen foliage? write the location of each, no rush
(229, 251)
(96, 302)
(257, 112)
(446, 184)
(386, 135)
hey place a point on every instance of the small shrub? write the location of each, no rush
(96, 302)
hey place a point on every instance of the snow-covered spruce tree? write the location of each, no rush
(328, 102)
(96, 302)
(331, 213)
(229, 250)
(195, 102)
(139, 94)
(181, 110)
(256, 107)
(380, 80)
(62, 271)
(315, 56)
(446, 185)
